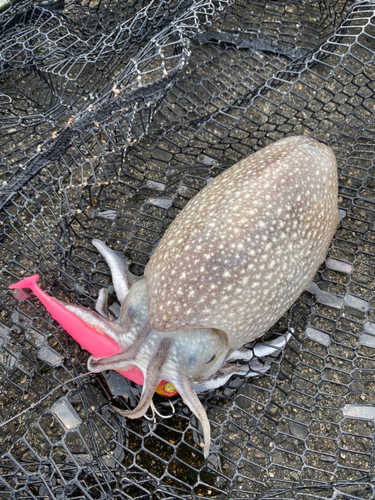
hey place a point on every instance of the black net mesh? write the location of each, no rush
(114, 115)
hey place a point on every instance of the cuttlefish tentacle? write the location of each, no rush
(119, 277)
(152, 377)
(101, 304)
(119, 360)
(116, 362)
(95, 320)
(184, 387)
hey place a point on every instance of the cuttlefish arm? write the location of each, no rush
(90, 334)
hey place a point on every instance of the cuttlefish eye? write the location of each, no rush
(211, 359)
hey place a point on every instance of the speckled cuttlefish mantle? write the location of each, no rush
(228, 267)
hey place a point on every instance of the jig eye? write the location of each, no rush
(166, 389)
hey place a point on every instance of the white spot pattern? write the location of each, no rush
(248, 244)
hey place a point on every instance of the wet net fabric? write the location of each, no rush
(113, 116)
